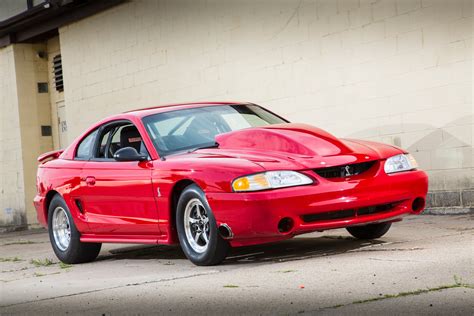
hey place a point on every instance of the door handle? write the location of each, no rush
(90, 181)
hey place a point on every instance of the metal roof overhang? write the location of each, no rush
(42, 21)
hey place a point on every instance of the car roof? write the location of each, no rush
(177, 106)
(135, 115)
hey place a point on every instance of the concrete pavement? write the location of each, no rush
(424, 265)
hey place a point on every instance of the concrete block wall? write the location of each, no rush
(397, 71)
(12, 197)
(387, 70)
(23, 112)
(34, 111)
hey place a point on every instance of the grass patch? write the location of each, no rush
(39, 274)
(63, 265)
(409, 293)
(14, 270)
(41, 263)
(231, 286)
(20, 242)
(458, 283)
(12, 259)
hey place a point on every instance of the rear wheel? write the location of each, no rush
(65, 238)
(197, 229)
(371, 231)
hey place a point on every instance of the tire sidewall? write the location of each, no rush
(371, 231)
(57, 201)
(204, 258)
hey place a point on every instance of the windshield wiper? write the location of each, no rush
(215, 145)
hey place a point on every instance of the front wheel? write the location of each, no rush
(371, 231)
(65, 238)
(197, 229)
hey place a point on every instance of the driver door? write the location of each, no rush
(117, 197)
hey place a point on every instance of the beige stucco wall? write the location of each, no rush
(12, 198)
(392, 71)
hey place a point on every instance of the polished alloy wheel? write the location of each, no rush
(61, 228)
(196, 225)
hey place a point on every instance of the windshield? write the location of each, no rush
(184, 130)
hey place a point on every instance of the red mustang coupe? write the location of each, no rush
(216, 175)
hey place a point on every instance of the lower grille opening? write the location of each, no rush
(341, 214)
(375, 209)
(345, 171)
(328, 215)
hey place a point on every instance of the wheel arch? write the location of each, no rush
(176, 191)
(47, 201)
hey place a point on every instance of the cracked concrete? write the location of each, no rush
(327, 273)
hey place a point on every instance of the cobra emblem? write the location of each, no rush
(347, 171)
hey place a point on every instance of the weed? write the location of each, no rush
(42, 263)
(20, 242)
(457, 284)
(63, 265)
(14, 259)
(457, 280)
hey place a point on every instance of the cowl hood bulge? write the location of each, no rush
(295, 146)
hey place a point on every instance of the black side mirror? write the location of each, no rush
(129, 154)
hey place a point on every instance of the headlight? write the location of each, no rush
(403, 162)
(270, 180)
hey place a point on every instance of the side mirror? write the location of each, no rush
(129, 154)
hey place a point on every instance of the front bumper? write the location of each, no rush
(253, 217)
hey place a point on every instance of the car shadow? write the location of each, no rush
(297, 249)
(292, 249)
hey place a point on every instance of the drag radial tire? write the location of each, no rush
(370, 231)
(64, 236)
(197, 229)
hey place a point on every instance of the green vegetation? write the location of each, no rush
(458, 283)
(415, 292)
(20, 242)
(63, 265)
(231, 286)
(14, 259)
(42, 263)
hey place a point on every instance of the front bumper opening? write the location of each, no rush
(349, 213)
(342, 172)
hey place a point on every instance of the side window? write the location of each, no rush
(102, 151)
(84, 150)
(115, 136)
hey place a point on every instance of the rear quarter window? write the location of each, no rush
(84, 150)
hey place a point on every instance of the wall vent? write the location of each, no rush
(46, 130)
(58, 73)
(42, 87)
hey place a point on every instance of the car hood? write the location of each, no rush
(294, 146)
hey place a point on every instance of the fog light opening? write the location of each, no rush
(225, 231)
(285, 225)
(418, 204)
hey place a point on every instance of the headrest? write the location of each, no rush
(130, 137)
